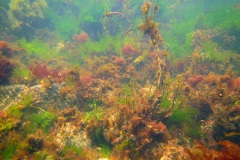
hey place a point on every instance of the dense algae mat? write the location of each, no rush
(123, 79)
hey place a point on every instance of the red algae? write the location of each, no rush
(39, 70)
(6, 68)
(195, 80)
(5, 49)
(128, 50)
(86, 79)
(230, 151)
(158, 127)
(81, 38)
(3, 114)
(3, 45)
(180, 66)
(119, 61)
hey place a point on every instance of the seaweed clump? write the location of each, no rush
(229, 150)
(5, 50)
(6, 69)
(149, 27)
(80, 38)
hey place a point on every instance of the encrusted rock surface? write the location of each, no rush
(41, 97)
(68, 134)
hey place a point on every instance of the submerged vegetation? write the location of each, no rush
(123, 79)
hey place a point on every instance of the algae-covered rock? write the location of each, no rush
(41, 97)
(70, 135)
(24, 13)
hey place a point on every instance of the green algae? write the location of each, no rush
(38, 48)
(15, 111)
(183, 116)
(78, 150)
(96, 113)
(43, 120)
(27, 99)
(127, 143)
(9, 124)
(186, 118)
(21, 72)
(8, 152)
(98, 138)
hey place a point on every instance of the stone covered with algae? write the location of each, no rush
(12, 95)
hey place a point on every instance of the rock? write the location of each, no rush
(12, 95)
(68, 134)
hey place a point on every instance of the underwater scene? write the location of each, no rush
(119, 79)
